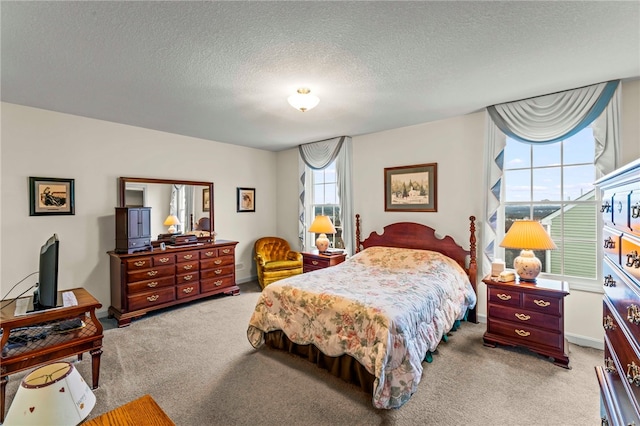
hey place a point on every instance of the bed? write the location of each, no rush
(373, 319)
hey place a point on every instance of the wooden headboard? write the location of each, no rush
(417, 236)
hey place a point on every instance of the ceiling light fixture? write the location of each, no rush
(303, 100)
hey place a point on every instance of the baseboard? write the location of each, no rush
(576, 339)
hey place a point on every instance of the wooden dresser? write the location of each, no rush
(619, 377)
(529, 315)
(146, 281)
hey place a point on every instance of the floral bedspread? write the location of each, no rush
(386, 307)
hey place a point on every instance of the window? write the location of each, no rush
(553, 183)
(324, 201)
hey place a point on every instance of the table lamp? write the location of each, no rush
(527, 235)
(322, 225)
(52, 394)
(171, 221)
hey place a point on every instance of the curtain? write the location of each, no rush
(546, 119)
(181, 204)
(317, 156)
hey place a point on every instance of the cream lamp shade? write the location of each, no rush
(55, 394)
(303, 100)
(171, 221)
(527, 235)
(322, 225)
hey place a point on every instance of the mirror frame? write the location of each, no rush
(122, 183)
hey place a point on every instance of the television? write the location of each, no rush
(46, 294)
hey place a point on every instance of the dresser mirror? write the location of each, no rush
(190, 201)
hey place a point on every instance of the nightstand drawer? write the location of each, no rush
(525, 334)
(312, 262)
(542, 303)
(526, 318)
(504, 297)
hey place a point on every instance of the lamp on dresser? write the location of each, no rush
(322, 225)
(527, 235)
(171, 221)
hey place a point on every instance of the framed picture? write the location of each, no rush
(246, 200)
(51, 196)
(411, 188)
(205, 200)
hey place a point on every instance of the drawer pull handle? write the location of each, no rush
(140, 263)
(522, 333)
(187, 290)
(164, 260)
(633, 260)
(218, 271)
(633, 373)
(218, 283)
(541, 303)
(187, 256)
(217, 261)
(503, 296)
(209, 254)
(153, 298)
(609, 365)
(619, 206)
(523, 317)
(187, 267)
(152, 273)
(633, 314)
(152, 284)
(314, 262)
(635, 211)
(606, 207)
(226, 251)
(609, 243)
(188, 277)
(609, 281)
(608, 324)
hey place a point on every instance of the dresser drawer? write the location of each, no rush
(504, 297)
(139, 263)
(543, 303)
(216, 284)
(187, 290)
(630, 255)
(623, 297)
(223, 251)
(209, 253)
(189, 277)
(607, 207)
(525, 317)
(187, 256)
(183, 267)
(620, 207)
(141, 286)
(217, 272)
(164, 259)
(611, 244)
(634, 213)
(525, 334)
(216, 262)
(148, 274)
(156, 297)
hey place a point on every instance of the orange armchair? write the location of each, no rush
(275, 260)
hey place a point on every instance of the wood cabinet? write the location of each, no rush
(529, 315)
(150, 280)
(133, 229)
(311, 261)
(619, 376)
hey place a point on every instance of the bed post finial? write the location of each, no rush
(357, 233)
(473, 265)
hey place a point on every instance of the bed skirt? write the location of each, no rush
(344, 367)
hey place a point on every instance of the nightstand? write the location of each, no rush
(530, 315)
(312, 261)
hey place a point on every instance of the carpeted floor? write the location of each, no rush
(197, 363)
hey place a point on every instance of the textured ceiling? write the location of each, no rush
(223, 70)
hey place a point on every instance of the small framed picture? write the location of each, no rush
(246, 200)
(205, 200)
(51, 196)
(411, 188)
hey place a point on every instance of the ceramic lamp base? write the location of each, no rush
(322, 243)
(527, 266)
(171, 230)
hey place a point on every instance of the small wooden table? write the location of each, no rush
(313, 261)
(143, 411)
(42, 339)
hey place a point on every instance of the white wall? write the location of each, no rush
(456, 144)
(95, 153)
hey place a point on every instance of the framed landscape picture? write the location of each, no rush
(51, 196)
(246, 199)
(205, 200)
(411, 188)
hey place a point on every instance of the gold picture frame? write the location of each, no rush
(411, 188)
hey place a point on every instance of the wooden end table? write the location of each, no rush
(143, 411)
(313, 261)
(42, 340)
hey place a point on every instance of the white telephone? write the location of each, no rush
(507, 276)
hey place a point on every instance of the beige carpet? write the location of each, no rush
(198, 365)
